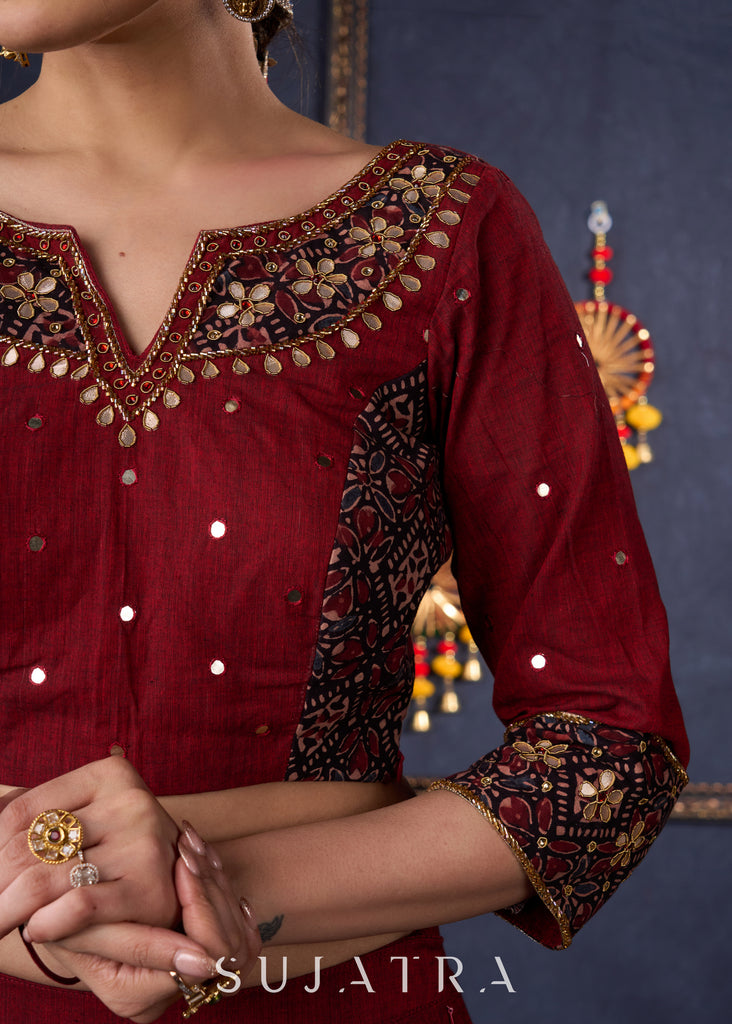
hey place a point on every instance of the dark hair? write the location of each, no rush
(266, 29)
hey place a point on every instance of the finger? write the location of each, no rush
(73, 790)
(212, 914)
(142, 946)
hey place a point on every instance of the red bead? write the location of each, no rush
(606, 253)
(601, 275)
(447, 647)
(421, 669)
(624, 432)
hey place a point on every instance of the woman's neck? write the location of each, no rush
(133, 96)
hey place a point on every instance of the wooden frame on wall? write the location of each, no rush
(348, 67)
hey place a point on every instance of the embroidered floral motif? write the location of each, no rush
(602, 796)
(382, 235)
(249, 305)
(31, 295)
(324, 279)
(628, 844)
(542, 751)
(421, 181)
(575, 854)
(306, 287)
(392, 537)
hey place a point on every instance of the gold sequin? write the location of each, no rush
(299, 357)
(150, 420)
(372, 321)
(324, 350)
(127, 436)
(349, 338)
(271, 365)
(60, 368)
(392, 301)
(541, 842)
(105, 416)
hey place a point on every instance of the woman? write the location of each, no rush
(216, 541)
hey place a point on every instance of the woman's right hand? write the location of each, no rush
(127, 965)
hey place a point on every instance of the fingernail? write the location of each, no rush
(27, 934)
(249, 918)
(193, 838)
(214, 859)
(193, 964)
(187, 857)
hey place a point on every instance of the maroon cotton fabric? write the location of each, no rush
(212, 553)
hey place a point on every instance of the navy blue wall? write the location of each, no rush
(631, 102)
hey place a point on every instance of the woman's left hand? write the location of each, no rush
(218, 928)
(126, 834)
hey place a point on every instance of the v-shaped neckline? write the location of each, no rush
(132, 362)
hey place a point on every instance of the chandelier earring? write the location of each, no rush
(250, 10)
(15, 55)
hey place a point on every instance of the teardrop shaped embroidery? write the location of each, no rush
(240, 367)
(150, 420)
(300, 358)
(349, 338)
(186, 375)
(449, 217)
(371, 321)
(471, 179)
(89, 395)
(325, 351)
(11, 356)
(438, 239)
(412, 284)
(209, 370)
(81, 372)
(60, 368)
(272, 366)
(425, 262)
(127, 436)
(392, 301)
(37, 363)
(458, 196)
(105, 416)
(171, 399)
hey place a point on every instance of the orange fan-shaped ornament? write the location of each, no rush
(622, 349)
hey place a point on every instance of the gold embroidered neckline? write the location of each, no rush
(132, 386)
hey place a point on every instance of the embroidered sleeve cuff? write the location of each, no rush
(579, 803)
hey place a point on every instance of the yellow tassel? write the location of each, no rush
(643, 417)
(632, 458)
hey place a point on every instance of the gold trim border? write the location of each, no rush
(700, 801)
(347, 94)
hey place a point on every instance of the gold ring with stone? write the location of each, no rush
(55, 836)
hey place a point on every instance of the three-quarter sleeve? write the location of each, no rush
(554, 575)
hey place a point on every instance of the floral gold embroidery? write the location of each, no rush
(247, 305)
(602, 796)
(541, 751)
(627, 844)
(422, 180)
(324, 279)
(381, 235)
(29, 295)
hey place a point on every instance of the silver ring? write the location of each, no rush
(83, 873)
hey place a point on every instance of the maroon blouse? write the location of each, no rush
(212, 553)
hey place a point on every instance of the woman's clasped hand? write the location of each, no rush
(118, 936)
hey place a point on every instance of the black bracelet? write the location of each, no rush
(40, 964)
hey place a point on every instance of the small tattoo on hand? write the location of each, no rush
(269, 929)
